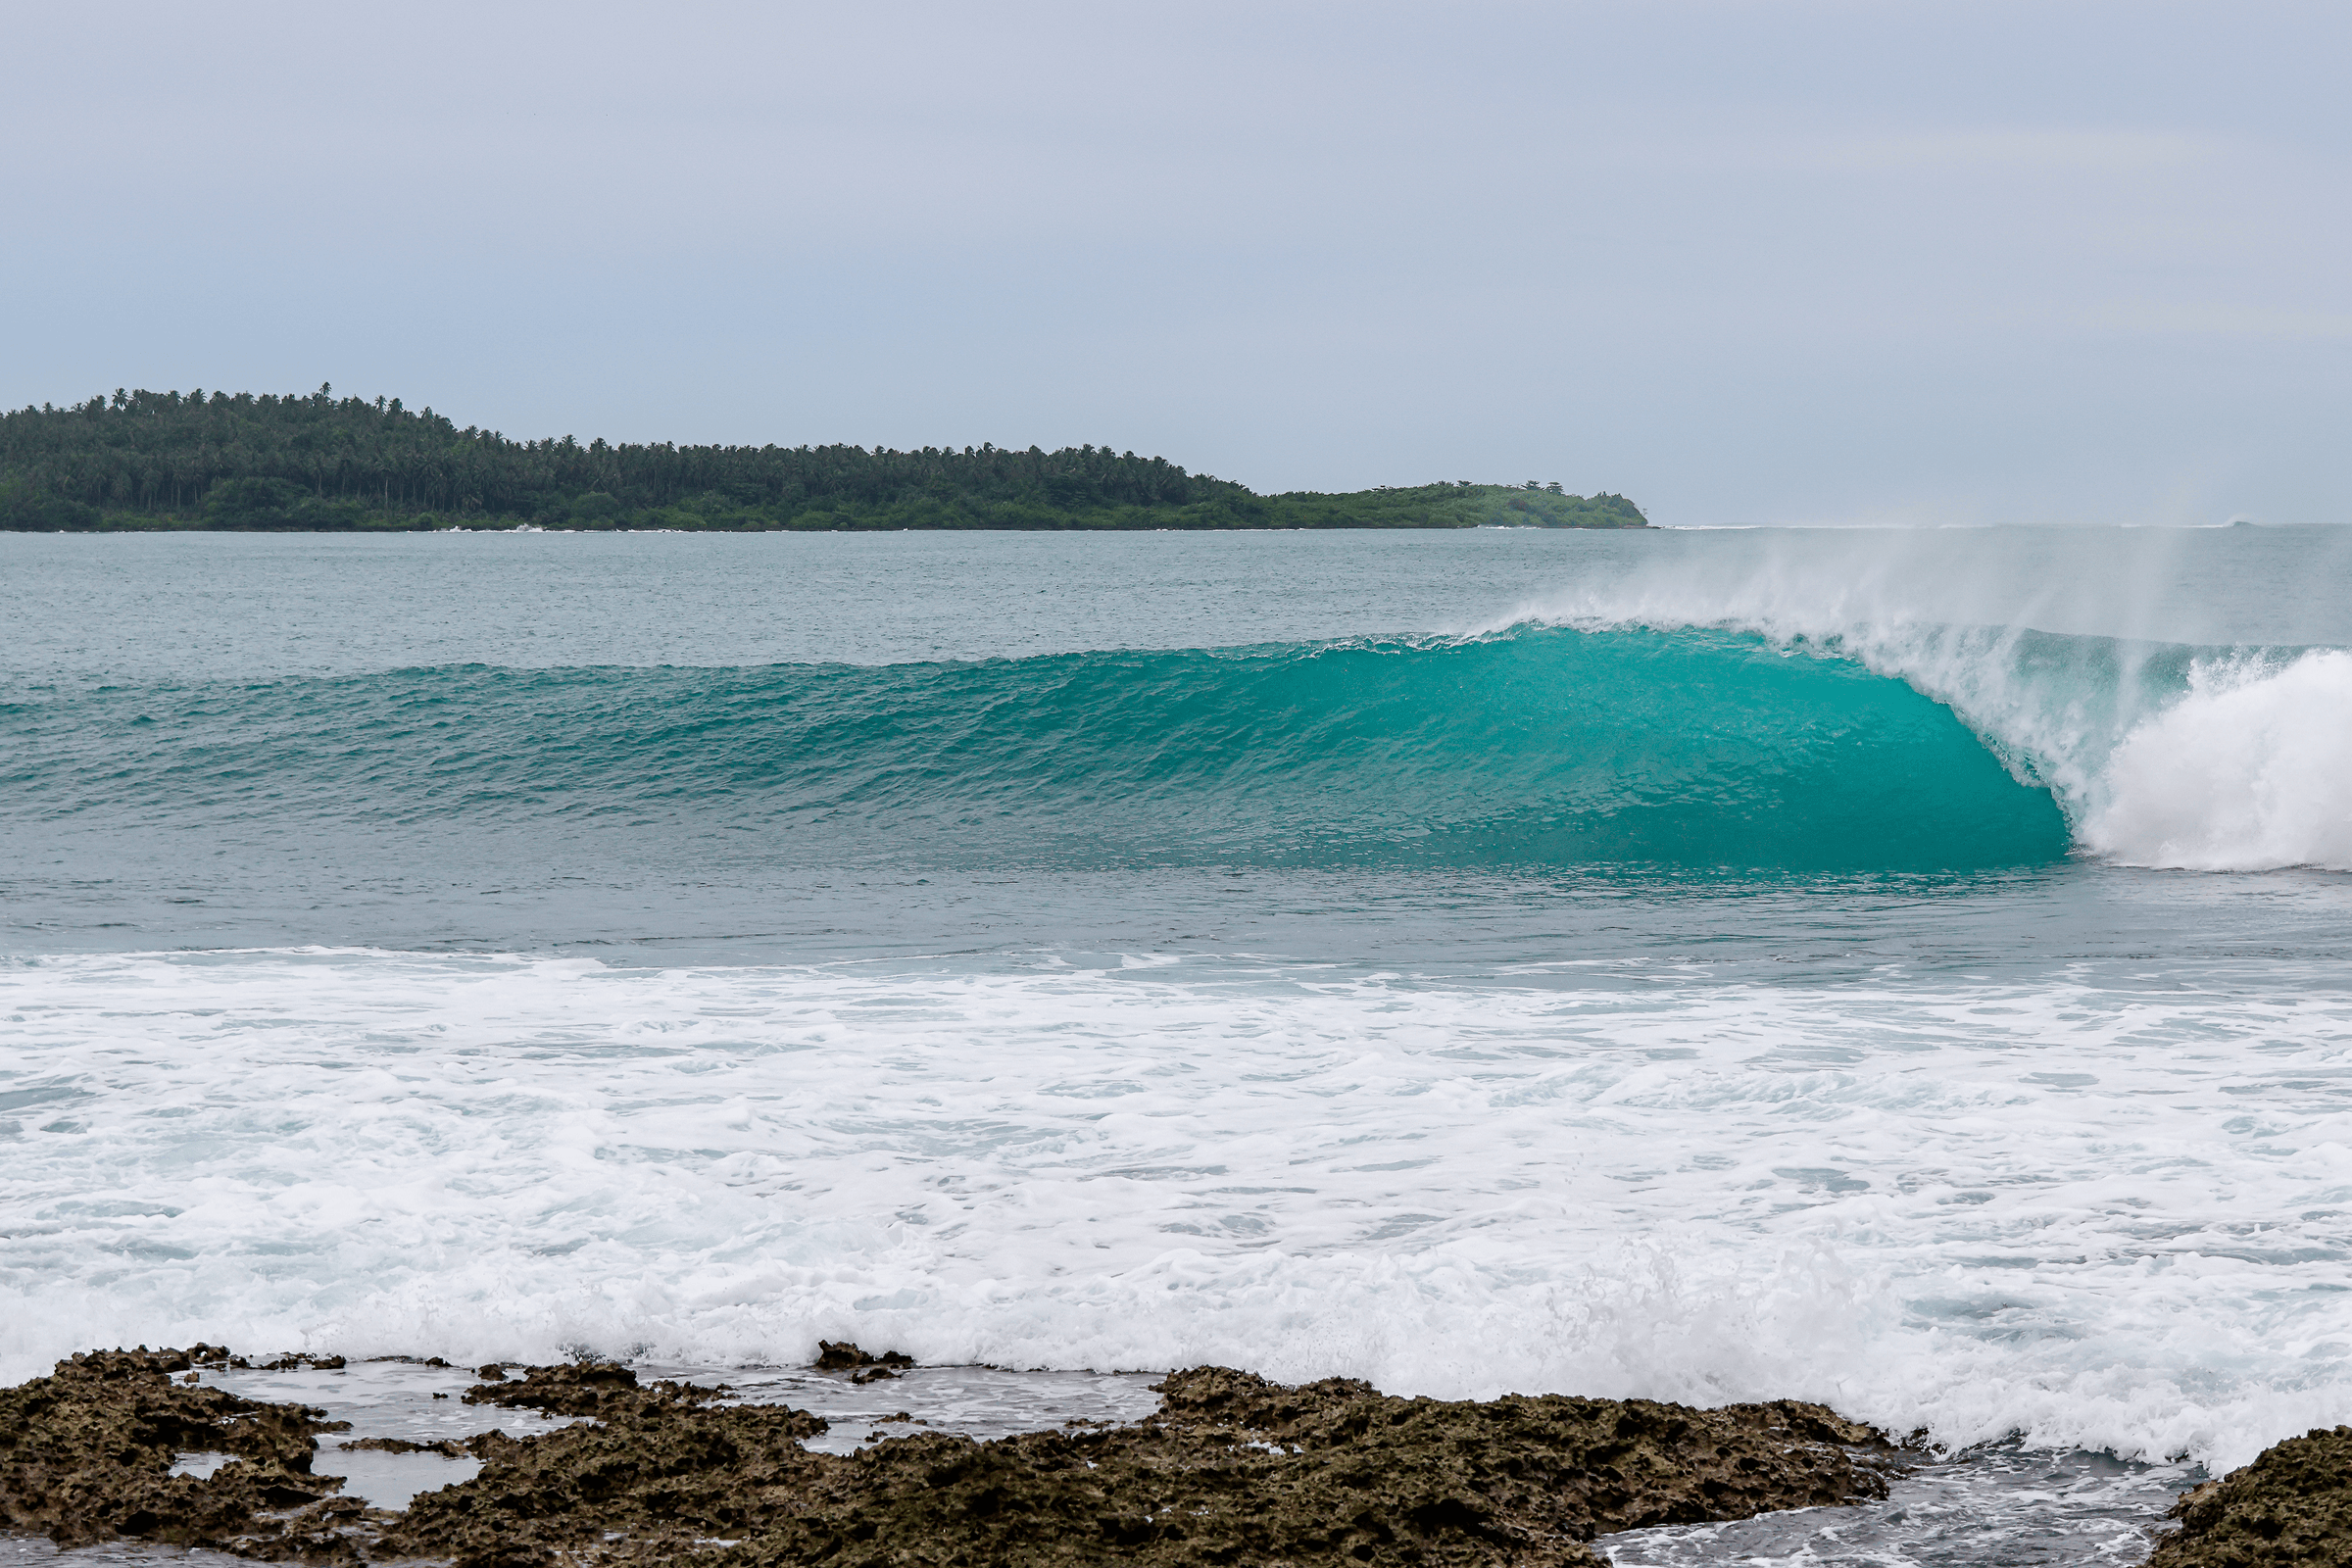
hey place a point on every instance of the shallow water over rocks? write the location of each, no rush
(1997, 1504)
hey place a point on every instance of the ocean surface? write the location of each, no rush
(1906, 970)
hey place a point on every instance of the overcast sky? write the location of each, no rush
(1746, 260)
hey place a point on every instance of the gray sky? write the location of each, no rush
(1746, 260)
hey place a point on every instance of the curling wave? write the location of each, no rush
(1540, 747)
(1725, 746)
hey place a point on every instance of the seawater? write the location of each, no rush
(1903, 970)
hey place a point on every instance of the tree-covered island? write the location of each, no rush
(237, 461)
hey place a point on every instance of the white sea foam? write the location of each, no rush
(2250, 770)
(2099, 1214)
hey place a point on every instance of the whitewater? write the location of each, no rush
(1899, 970)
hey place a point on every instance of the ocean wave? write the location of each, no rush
(2228, 757)
(1543, 747)
(1645, 735)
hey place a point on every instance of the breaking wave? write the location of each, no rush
(1736, 745)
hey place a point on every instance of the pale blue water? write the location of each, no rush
(1905, 970)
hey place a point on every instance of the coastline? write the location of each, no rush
(1226, 1467)
(585, 1462)
(156, 460)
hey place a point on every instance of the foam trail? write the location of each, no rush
(2095, 1214)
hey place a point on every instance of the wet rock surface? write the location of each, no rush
(86, 1455)
(1231, 1469)
(843, 1357)
(2293, 1504)
(589, 1388)
(839, 1356)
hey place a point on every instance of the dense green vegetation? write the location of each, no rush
(159, 460)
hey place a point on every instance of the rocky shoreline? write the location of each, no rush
(1230, 1469)
(2293, 1504)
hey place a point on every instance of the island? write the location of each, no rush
(147, 460)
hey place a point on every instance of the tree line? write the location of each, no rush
(238, 461)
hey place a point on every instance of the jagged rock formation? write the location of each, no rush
(2293, 1504)
(1230, 1469)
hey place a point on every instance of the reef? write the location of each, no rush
(2293, 1504)
(1230, 1469)
(86, 1454)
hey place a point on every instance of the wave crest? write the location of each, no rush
(2161, 755)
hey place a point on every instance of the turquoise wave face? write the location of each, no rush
(1543, 747)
